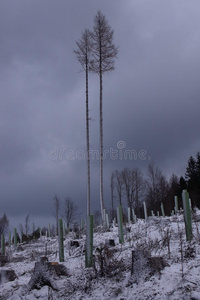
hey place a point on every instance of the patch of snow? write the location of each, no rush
(162, 237)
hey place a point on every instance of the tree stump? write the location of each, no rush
(144, 266)
(7, 275)
(74, 243)
(45, 273)
(110, 242)
(3, 260)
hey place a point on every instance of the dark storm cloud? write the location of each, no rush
(151, 100)
(158, 106)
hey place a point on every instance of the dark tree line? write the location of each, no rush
(192, 178)
(190, 181)
(129, 184)
(130, 187)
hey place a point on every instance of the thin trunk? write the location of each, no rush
(83, 55)
(112, 195)
(120, 198)
(101, 146)
(104, 53)
(88, 143)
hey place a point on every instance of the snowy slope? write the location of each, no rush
(162, 237)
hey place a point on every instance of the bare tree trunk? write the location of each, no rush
(70, 211)
(104, 52)
(83, 55)
(87, 142)
(101, 145)
(119, 185)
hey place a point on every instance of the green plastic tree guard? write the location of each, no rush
(190, 203)
(135, 219)
(61, 241)
(145, 210)
(176, 204)
(107, 221)
(89, 242)
(129, 215)
(104, 218)
(134, 216)
(15, 238)
(120, 224)
(2, 244)
(82, 224)
(10, 239)
(49, 229)
(187, 215)
(162, 210)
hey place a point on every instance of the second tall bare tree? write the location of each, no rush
(104, 52)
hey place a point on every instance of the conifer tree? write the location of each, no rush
(192, 177)
(104, 53)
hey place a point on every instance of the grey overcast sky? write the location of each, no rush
(151, 101)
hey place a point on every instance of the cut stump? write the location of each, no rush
(7, 275)
(45, 273)
(144, 266)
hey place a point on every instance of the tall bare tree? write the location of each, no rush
(157, 187)
(97, 217)
(104, 53)
(70, 211)
(119, 185)
(139, 189)
(133, 185)
(83, 55)
(127, 178)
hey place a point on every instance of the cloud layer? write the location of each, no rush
(151, 100)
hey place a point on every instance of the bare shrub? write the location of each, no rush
(105, 263)
(165, 239)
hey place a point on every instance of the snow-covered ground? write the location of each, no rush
(162, 237)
